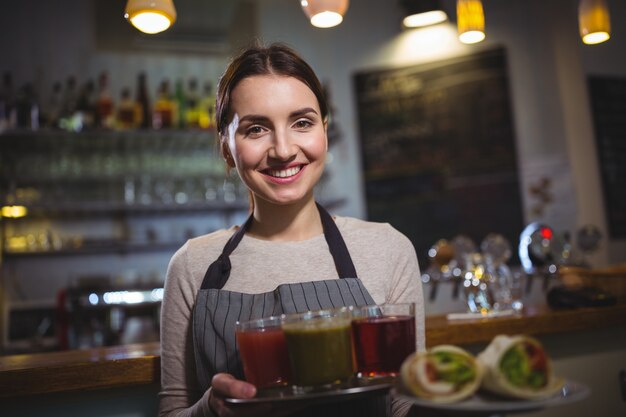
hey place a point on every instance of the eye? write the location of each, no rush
(254, 130)
(302, 124)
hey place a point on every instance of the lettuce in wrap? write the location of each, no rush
(518, 367)
(442, 374)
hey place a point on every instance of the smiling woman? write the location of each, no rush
(290, 256)
(277, 146)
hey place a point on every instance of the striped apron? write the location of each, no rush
(216, 312)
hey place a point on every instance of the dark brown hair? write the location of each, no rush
(276, 59)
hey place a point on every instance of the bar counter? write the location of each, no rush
(130, 365)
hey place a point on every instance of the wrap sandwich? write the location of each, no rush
(443, 374)
(518, 367)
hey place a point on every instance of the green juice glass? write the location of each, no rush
(320, 347)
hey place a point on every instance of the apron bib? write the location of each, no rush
(216, 311)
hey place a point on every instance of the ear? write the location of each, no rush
(228, 157)
(326, 132)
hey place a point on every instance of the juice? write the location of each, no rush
(382, 343)
(264, 355)
(320, 351)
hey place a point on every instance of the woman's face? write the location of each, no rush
(277, 138)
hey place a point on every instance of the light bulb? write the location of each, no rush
(470, 21)
(150, 16)
(594, 21)
(325, 13)
(425, 19)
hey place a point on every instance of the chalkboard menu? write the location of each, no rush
(438, 149)
(608, 102)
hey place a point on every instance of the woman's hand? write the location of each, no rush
(225, 385)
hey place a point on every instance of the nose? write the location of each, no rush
(283, 146)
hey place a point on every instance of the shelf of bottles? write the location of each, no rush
(80, 150)
(127, 180)
(114, 166)
(99, 172)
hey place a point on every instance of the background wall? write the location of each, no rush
(548, 66)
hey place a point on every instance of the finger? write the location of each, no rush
(224, 409)
(225, 385)
(217, 404)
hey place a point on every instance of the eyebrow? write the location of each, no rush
(256, 118)
(301, 112)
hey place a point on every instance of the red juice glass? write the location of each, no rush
(384, 335)
(263, 352)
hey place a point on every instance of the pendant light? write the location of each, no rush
(150, 16)
(420, 13)
(10, 207)
(470, 21)
(13, 211)
(325, 13)
(594, 21)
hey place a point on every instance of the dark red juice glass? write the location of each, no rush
(383, 337)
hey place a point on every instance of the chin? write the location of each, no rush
(285, 200)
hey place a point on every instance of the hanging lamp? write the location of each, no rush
(420, 13)
(13, 211)
(325, 13)
(470, 21)
(150, 16)
(594, 21)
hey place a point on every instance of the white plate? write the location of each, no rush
(484, 403)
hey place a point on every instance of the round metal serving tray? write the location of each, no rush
(351, 389)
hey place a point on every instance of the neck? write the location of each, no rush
(292, 222)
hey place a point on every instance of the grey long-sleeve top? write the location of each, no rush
(384, 259)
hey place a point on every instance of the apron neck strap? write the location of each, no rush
(219, 271)
(338, 249)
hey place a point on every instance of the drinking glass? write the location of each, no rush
(263, 352)
(384, 335)
(506, 285)
(475, 284)
(320, 347)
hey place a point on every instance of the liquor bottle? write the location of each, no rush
(164, 108)
(206, 117)
(55, 106)
(8, 115)
(192, 115)
(27, 108)
(85, 104)
(143, 99)
(70, 98)
(181, 105)
(104, 104)
(128, 111)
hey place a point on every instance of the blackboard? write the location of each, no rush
(438, 149)
(608, 103)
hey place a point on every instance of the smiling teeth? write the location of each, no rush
(284, 173)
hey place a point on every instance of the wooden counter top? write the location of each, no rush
(71, 370)
(140, 364)
(535, 321)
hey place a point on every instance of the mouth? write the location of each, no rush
(284, 173)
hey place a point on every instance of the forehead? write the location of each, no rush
(260, 94)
